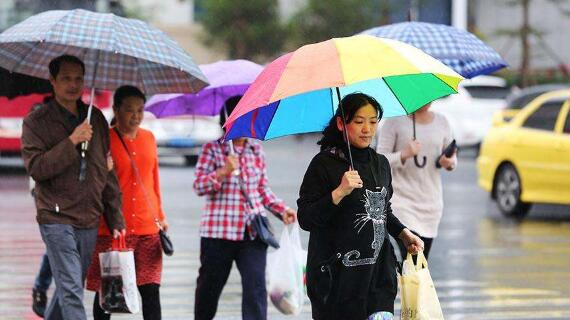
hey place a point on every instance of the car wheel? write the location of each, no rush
(508, 193)
(191, 160)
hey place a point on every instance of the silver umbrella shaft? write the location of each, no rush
(85, 144)
(232, 150)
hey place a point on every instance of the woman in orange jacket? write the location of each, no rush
(134, 153)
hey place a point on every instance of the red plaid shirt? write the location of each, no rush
(225, 215)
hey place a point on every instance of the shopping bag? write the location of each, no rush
(417, 292)
(286, 272)
(118, 291)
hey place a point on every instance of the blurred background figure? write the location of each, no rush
(418, 196)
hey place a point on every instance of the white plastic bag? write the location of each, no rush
(286, 272)
(118, 291)
(418, 295)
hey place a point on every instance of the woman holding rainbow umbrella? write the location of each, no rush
(345, 196)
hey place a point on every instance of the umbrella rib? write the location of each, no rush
(49, 31)
(17, 65)
(115, 34)
(115, 50)
(272, 116)
(29, 53)
(45, 40)
(168, 48)
(171, 55)
(332, 102)
(394, 94)
(444, 83)
(177, 66)
(137, 74)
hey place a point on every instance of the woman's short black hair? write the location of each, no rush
(124, 92)
(229, 105)
(350, 104)
(55, 64)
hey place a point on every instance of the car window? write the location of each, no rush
(523, 100)
(488, 92)
(544, 118)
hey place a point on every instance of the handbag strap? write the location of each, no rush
(139, 179)
(241, 183)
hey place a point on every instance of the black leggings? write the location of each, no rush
(150, 303)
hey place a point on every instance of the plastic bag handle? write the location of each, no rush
(119, 244)
(294, 234)
(421, 261)
(410, 260)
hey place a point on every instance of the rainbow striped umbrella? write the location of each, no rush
(297, 92)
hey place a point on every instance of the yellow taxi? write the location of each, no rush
(527, 159)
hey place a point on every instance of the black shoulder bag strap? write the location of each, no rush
(241, 184)
(139, 179)
(259, 222)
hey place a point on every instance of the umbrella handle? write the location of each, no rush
(344, 131)
(231, 143)
(85, 144)
(417, 162)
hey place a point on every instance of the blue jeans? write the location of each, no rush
(44, 277)
(70, 251)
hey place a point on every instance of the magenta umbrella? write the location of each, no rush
(227, 78)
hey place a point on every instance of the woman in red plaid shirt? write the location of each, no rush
(225, 229)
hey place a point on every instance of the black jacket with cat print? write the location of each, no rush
(351, 264)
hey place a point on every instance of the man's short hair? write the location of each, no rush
(55, 64)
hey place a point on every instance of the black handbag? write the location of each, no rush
(263, 229)
(260, 223)
(165, 242)
(167, 246)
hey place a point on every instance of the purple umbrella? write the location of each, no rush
(227, 79)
